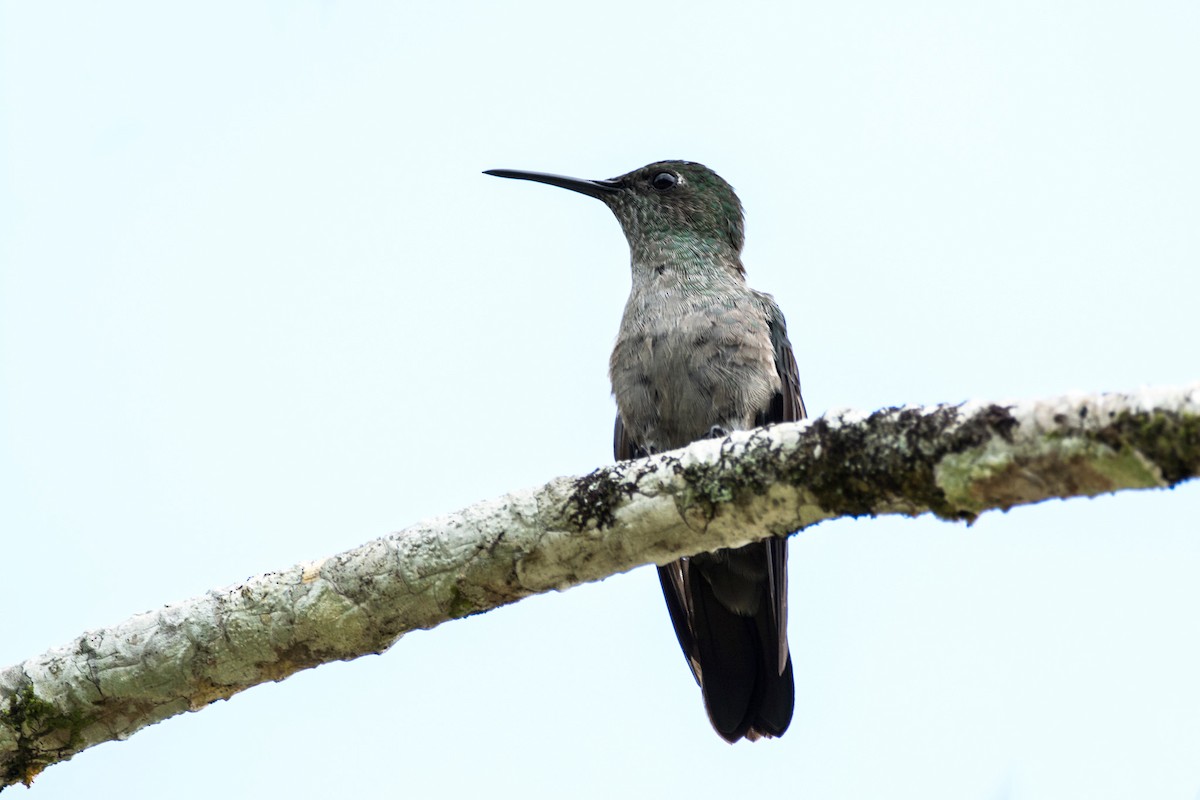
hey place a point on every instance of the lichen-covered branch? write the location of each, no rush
(953, 461)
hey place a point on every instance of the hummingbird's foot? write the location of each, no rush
(717, 432)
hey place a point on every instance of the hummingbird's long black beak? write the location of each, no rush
(595, 189)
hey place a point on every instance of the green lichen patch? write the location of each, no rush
(729, 479)
(44, 734)
(1057, 467)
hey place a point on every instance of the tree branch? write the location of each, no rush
(953, 461)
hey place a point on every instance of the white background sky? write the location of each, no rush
(258, 305)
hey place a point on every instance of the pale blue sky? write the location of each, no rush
(258, 305)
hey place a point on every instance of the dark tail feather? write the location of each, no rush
(729, 662)
(735, 658)
(775, 702)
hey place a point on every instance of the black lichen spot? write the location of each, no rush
(595, 497)
(998, 419)
(980, 427)
(661, 269)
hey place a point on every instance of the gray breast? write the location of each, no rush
(686, 362)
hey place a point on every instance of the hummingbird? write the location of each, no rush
(699, 354)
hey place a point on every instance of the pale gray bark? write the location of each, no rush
(953, 461)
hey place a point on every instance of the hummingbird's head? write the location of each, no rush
(663, 200)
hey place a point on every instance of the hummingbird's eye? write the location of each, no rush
(663, 181)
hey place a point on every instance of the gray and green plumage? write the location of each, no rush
(699, 354)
